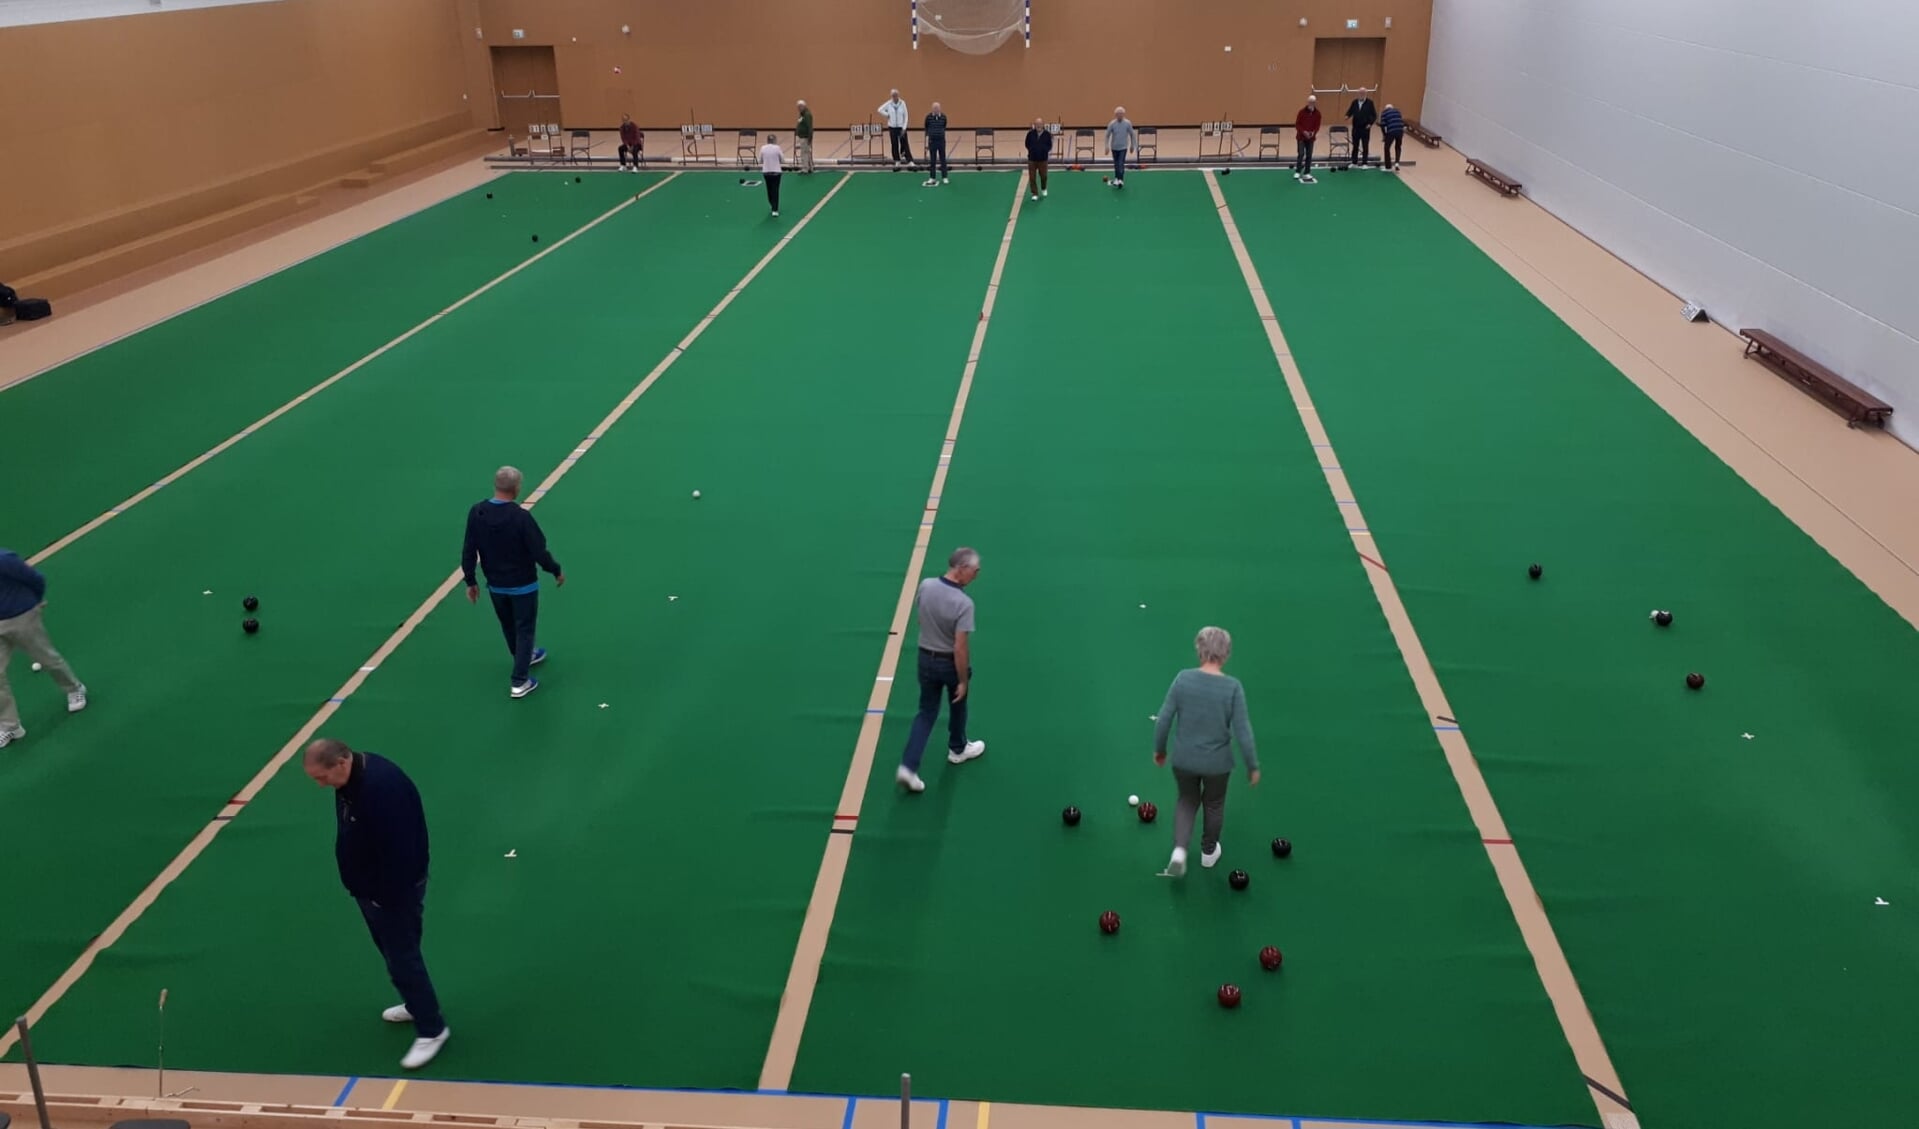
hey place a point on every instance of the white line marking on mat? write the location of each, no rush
(1575, 1020)
(356, 366)
(783, 1049)
(287, 751)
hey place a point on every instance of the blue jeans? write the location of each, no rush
(1119, 163)
(518, 617)
(398, 923)
(939, 678)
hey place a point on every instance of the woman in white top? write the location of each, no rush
(770, 158)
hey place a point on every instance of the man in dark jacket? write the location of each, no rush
(23, 600)
(503, 538)
(632, 143)
(380, 846)
(1306, 127)
(936, 168)
(1392, 138)
(1362, 113)
(1039, 150)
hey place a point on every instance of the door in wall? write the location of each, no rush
(1354, 63)
(526, 81)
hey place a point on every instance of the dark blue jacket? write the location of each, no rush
(1039, 144)
(505, 540)
(1392, 121)
(381, 844)
(22, 588)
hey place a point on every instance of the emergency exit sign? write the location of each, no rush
(1352, 25)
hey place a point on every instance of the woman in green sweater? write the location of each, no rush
(1205, 713)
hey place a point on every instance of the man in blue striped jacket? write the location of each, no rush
(1392, 130)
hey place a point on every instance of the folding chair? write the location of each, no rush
(984, 151)
(747, 149)
(1083, 145)
(1339, 143)
(549, 146)
(1269, 142)
(581, 147)
(1148, 144)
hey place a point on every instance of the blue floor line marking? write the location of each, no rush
(1199, 1121)
(941, 1124)
(346, 1091)
(852, 1106)
(1445, 728)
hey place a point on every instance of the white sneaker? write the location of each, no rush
(929, 182)
(77, 700)
(1044, 192)
(9, 736)
(1209, 861)
(425, 1050)
(776, 215)
(972, 751)
(524, 688)
(944, 180)
(397, 1014)
(910, 779)
(1176, 866)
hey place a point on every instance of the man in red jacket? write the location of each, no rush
(631, 142)
(1306, 126)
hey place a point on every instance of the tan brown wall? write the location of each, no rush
(743, 62)
(104, 116)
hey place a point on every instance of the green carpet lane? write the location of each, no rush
(142, 407)
(666, 844)
(341, 517)
(1131, 468)
(1710, 861)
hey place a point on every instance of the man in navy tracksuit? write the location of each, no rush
(381, 849)
(504, 539)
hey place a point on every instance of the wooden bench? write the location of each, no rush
(1423, 135)
(1835, 391)
(1499, 181)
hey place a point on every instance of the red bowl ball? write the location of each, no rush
(1270, 958)
(1228, 995)
(1109, 922)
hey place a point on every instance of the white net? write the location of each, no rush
(974, 27)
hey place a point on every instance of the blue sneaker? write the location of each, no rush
(539, 656)
(525, 688)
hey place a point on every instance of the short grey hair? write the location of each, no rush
(1213, 644)
(327, 752)
(508, 478)
(963, 558)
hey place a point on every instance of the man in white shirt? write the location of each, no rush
(894, 111)
(1119, 138)
(770, 158)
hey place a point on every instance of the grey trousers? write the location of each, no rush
(1195, 791)
(28, 632)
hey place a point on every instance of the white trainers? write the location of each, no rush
(929, 182)
(910, 779)
(944, 180)
(397, 1014)
(77, 700)
(1045, 192)
(524, 688)
(776, 215)
(972, 751)
(425, 1050)
(9, 736)
(1176, 866)
(1035, 195)
(1211, 860)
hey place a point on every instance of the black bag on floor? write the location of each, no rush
(32, 309)
(7, 296)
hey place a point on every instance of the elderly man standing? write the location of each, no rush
(936, 168)
(1306, 127)
(803, 139)
(945, 665)
(1039, 150)
(894, 111)
(23, 603)
(503, 538)
(380, 846)
(1119, 138)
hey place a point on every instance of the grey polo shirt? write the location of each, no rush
(945, 609)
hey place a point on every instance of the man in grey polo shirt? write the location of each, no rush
(946, 637)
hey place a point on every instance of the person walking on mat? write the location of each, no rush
(1306, 126)
(23, 603)
(945, 666)
(1204, 715)
(770, 158)
(1119, 138)
(1039, 150)
(894, 111)
(380, 846)
(803, 139)
(503, 538)
(1392, 138)
(936, 169)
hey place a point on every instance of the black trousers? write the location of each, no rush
(398, 924)
(936, 155)
(634, 151)
(772, 189)
(1362, 143)
(519, 619)
(1304, 165)
(902, 151)
(1391, 147)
